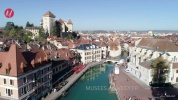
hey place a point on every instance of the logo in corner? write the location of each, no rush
(9, 13)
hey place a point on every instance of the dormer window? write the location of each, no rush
(0, 65)
(7, 71)
(66, 54)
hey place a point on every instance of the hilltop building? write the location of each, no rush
(48, 22)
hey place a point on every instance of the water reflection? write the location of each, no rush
(94, 72)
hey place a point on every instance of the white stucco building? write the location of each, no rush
(66, 26)
(104, 48)
(89, 52)
(48, 21)
(114, 48)
(34, 30)
(147, 50)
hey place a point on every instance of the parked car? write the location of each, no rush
(127, 70)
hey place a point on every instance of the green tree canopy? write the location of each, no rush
(42, 35)
(12, 30)
(160, 69)
(29, 25)
(9, 26)
(56, 29)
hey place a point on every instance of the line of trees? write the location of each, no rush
(15, 31)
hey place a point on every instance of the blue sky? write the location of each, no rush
(97, 14)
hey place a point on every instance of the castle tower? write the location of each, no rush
(62, 25)
(70, 26)
(48, 22)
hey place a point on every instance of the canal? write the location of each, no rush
(93, 85)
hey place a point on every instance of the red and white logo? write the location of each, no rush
(9, 13)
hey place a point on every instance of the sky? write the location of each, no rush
(97, 14)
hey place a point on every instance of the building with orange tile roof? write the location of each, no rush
(148, 49)
(24, 75)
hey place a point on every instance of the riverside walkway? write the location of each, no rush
(71, 80)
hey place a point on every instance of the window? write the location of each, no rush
(48, 69)
(11, 82)
(24, 90)
(0, 65)
(41, 80)
(25, 80)
(4, 81)
(49, 76)
(34, 75)
(176, 71)
(9, 92)
(41, 71)
(7, 71)
(56, 69)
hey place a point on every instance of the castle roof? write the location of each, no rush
(49, 14)
(69, 22)
(61, 21)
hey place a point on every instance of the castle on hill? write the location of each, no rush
(48, 21)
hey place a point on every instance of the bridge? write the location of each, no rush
(113, 61)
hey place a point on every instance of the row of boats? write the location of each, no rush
(78, 68)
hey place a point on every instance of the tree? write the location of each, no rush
(26, 38)
(29, 25)
(42, 34)
(160, 69)
(56, 29)
(9, 26)
(12, 30)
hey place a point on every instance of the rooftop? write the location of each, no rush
(86, 46)
(49, 14)
(158, 44)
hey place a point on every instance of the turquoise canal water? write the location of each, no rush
(93, 85)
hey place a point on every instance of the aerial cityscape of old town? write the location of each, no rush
(89, 50)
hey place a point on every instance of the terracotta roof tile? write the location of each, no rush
(61, 21)
(100, 43)
(140, 35)
(13, 60)
(20, 62)
(158, 44)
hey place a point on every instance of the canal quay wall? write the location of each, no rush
(112, 87)
(71, 80)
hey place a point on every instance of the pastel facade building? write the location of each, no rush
(34, 30)
(148, 49)
(24, 75)
(66, 26)
(88, 52)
